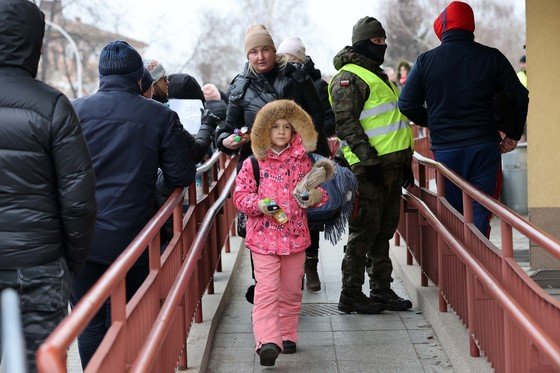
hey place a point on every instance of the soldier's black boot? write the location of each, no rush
(356, 301)
(311, 276)
(390, 299)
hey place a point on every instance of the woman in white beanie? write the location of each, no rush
(294, 50)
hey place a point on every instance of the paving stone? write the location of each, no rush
(283, 366)
(232, 355)
(228, 367)
(237, 340)
(371, 338)
(385, 321)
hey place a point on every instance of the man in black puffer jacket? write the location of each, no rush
(129, 137)
(47, 186)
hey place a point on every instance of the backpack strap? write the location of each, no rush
(256, 173)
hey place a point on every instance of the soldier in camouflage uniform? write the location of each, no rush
(47, 186)
(378, 148)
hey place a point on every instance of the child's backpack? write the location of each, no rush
(334, 214)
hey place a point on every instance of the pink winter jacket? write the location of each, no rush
(279, 175)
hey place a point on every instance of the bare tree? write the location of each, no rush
(409, 25)
(218, 53)
(58, 64)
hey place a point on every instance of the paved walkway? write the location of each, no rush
(328, 340)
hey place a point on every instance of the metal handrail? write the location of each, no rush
(51, 356)
(546, 344)
(53, 353)
(543, 239)
(148, 354)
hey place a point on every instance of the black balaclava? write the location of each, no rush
(375, 52)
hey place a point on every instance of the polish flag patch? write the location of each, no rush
(344, 83)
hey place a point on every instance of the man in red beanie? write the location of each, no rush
(458, 81)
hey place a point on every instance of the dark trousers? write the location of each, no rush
(93, 334)
(43, 299)
(372, 224)
(479, 165)
(313, 250)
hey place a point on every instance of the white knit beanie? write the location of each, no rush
(293, 46)
(155, 68)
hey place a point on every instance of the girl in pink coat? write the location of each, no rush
(281, 136)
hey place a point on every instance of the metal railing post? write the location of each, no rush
(74, 49)
(13, 343)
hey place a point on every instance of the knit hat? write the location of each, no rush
(155, 68)
(367, 28)
(457, 16)
(257, 36)
(146, 81)
(120, 58)
(293, 46)
(211, 92)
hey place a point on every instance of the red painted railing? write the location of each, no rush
(132, 322)
(510, 318)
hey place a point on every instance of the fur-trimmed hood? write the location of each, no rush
(281, 109)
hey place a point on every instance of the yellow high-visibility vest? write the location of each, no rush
(387, 129)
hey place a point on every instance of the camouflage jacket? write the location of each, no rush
(349, 94)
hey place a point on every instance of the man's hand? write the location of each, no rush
(507, 145)
(209, 118)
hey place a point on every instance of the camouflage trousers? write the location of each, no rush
(371, 226)
(44, 292)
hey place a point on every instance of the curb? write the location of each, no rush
(201, 336)
(450, 331)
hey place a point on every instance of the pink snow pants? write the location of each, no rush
(278, 295)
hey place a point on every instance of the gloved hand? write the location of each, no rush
(307, 198)
(315, 196)
(408, 177)
(264, 207)
(374, 174)
(208, 118)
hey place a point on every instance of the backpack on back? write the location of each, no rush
(334, 214)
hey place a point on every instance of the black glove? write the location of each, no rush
(374, 174)
(208, 118)
(407, 177)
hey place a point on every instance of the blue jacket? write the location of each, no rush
(458, 81)
(129, 137)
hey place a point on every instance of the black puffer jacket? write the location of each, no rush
(249, 92)
(47, 186)
(322, 88)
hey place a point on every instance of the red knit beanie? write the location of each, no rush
(457, 15)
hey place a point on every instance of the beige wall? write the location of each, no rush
(543, 128)
(543, 131)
